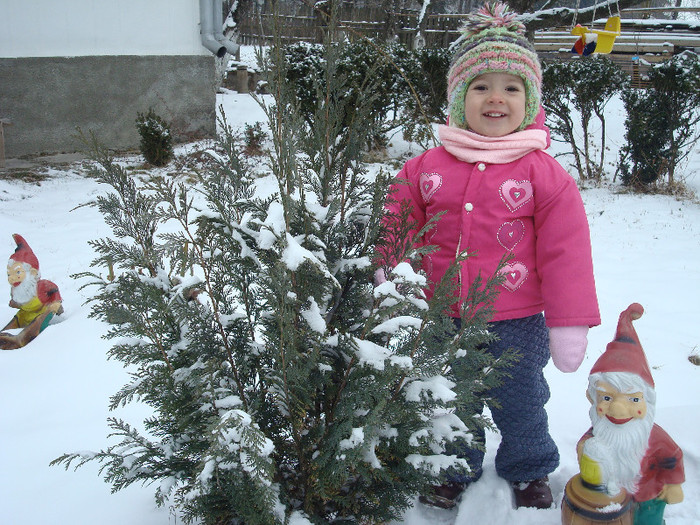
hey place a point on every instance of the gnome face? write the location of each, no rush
(619, 407)
(23, 279)
(622, 416)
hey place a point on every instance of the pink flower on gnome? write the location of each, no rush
(23, 272)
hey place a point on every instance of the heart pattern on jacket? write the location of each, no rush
(510, 234)
(515, 193)
(515, 273)
(429, 184)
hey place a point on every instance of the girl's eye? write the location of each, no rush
(479, 87)
(513, 89)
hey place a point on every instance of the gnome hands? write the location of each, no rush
(567, 344)
(671, 494)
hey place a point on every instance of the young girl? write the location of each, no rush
(503, 194)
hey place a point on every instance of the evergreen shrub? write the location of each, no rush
(254, 137)
(662, 122)
(409, 86)
(586, 85)
(283, 384)
(156, 143)
(422, 89)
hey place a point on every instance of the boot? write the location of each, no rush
(444, 496)
(534, 494)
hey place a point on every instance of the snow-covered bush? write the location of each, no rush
(364, 69)
(156, 143)
(408, 86)
(586, 85)
(282, 382)
(422, 90)
(662, 122)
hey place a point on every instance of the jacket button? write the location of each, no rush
(469, 206)
(481, 166)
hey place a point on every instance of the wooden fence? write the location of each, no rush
(636, 49)
(303, 23)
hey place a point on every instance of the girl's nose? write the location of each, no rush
(496, 97)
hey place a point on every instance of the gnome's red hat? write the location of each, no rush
(625, 352)
(23, 253)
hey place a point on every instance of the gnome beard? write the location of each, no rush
(619, 449)
(27, 289)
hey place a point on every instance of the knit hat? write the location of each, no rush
(625, 352)
(493, 41)
(23, 253)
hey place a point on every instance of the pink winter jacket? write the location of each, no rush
(530, 207)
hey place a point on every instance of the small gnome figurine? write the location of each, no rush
(37, 299)
(625, 459)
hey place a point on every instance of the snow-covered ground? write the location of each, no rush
(54, 392)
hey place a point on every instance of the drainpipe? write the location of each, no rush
(211, 28)
(231, 47)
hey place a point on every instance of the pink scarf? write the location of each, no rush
(472, 147)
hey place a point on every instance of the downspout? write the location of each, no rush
(211, 28)
(231, 47)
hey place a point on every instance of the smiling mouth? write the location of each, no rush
(492, 114)
(618, 421)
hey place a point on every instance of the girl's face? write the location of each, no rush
(495, 104)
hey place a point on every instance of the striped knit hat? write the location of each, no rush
(492, 41)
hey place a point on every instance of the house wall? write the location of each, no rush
(95, 65)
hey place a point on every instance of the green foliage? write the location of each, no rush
(358, 64)
(586, 85)
(422, 90)
(156, 143)
(254, 137)
(408, 86)
(281, 380)
(661, 122)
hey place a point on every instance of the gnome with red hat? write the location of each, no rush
(624, 450)
(37, 299)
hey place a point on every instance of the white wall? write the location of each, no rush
(70, 28)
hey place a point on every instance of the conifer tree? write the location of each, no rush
(281, 380)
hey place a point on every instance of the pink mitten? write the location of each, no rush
(567, 344)
(379, 277)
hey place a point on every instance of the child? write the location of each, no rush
(503, 194)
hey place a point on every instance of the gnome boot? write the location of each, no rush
(534, 494)
(9, 341)
(33, 329)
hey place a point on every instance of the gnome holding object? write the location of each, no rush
(37, 299)
(630, 467)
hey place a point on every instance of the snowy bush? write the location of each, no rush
(408, 87)
(422, 90)
(662, 122)
(282, 383)
(586, 85)
(156, 143)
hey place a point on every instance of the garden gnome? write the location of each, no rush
(37, 299)
(624, 452)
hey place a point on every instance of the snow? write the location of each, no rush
(54, 393)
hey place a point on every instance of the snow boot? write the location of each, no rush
(444, 496)
(534, 494)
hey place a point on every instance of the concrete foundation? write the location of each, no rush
(48, 99)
